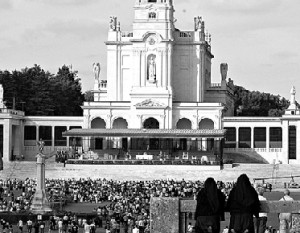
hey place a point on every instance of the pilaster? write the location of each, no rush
(7, 140)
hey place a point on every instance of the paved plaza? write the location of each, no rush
(24, 169)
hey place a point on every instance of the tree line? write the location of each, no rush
(255, 103)
(40, 93)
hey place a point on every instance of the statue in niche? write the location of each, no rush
(224, 69)
(96, 69)
(152, 70)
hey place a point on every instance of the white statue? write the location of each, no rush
(223, 70)
(96, 69)
(293, 93)
(198, 21)
(113, 23)
(2, 105)
(1, 92)
(152, 70)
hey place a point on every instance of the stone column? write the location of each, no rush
(40, 204)
(268, 139)
(52, 138)
(237, 137)
(252, 137)
(7, 140)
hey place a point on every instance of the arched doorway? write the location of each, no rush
(182, 143)
(151, 143)
(97, 143)
(206, 144)
(119, 123)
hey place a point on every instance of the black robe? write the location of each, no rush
(242, 204)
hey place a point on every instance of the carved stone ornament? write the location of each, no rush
(149, 104)
(152, 40)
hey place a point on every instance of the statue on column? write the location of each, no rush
(152, 70)
(40, 203)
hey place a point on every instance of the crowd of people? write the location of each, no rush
(126, 204)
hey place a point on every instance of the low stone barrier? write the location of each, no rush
(169, 215)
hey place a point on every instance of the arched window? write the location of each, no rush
(120, 123)
(151, 123)
(98, 123)
(184, 123)
(206, 124)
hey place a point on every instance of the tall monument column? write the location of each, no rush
(40, 203)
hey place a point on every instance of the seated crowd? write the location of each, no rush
(120, 203)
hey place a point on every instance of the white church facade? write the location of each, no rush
(158, 78)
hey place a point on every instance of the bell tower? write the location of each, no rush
(153, 15)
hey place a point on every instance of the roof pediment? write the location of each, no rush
(149, 103)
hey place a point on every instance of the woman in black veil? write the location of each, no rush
(210, 208)
(242, 203)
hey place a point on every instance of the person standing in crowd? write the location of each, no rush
(20, 225)
(42, 226)
(190, 228)
(60, 225)
(87, 227)
(261, 222)
(29, 225)
(210, 208)
(285, 219)
(36, 227)
(242, 204)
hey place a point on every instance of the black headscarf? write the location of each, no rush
(210, 189)
(244, 194)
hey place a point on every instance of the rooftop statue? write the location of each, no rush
(198, 21)
(113, 23)
(293, 90)
(293, 93)
(224, 69)
(96, 69)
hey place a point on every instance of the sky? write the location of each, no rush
(259, 39)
